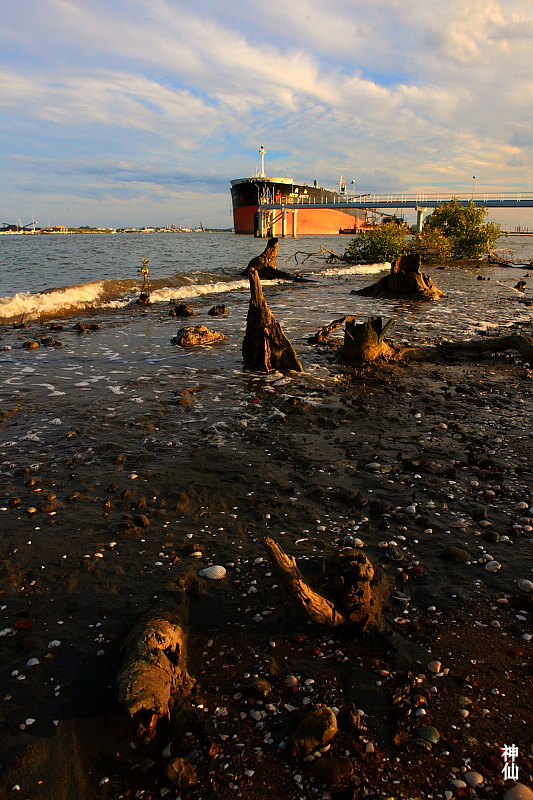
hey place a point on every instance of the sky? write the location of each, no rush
(122, 112)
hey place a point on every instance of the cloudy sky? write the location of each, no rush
(129, 112)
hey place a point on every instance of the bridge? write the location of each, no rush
(420, 202)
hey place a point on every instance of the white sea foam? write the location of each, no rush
(199, 289)
(357, 269)
(32, 305)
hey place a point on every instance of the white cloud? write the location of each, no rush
(390, 92)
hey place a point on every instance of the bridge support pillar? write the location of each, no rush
(283, 222)
(420, 211)
(295, 223)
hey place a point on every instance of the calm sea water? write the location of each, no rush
(130, 370)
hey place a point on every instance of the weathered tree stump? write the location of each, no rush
(153, 668)
(265, 265)
(364, 342)
(405, 281)
(265, 347)
(358, 588)
(323, 335)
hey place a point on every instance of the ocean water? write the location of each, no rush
(129, 375)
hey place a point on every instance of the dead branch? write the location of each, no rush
(322, 336)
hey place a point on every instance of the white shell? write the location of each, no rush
(214, 573)
(473, 778)
(518, 792)
(492, 566)
(524, 585)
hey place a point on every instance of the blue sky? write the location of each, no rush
(137, 112)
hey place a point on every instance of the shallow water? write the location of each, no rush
(129, 374)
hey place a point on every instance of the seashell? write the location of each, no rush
(258, 686)
(215, 573)
(473, 778)
(427, 736)
(291, 681)
(525, 586)
(518, 792)
(492, 566)
(434, 666)
(457, 783)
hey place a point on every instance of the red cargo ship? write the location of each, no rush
(297, 212)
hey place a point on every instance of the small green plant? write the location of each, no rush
(384, 243)
(145, 288)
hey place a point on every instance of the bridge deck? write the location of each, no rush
(416, 201)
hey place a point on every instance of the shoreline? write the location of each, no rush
(117, 519)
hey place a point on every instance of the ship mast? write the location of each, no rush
(262, 153)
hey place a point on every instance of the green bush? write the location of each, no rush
(384, 243)
(464, 227)
(431, 245)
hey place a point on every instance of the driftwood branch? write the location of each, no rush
(313, 605)
(331, 258)
(357, 586)
(323, 335)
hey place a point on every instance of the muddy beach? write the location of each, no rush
(122, 497)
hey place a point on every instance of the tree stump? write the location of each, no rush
(357, 586)
(154, 668)
(405, 281)
(364, 342)
(265, 347)
(265, 265)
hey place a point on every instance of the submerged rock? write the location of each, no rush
(199, 334)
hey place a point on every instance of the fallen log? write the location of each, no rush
(153, 670)
(364, 342)
(357, 586)
(405, 281)
(493, 344)
(265, 265)
(265, 346)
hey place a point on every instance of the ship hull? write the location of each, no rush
(296, 215)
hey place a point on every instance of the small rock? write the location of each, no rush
(313, 731)
(199, 334)
(181, 773)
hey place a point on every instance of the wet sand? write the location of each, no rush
(412, 460)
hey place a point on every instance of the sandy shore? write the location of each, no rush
(413, 460)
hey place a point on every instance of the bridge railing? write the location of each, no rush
(420, 198)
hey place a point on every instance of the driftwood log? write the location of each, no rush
(358, 589)
(493, 344)
(265, 347)
(323, 335)
(153, 670)
(364, 342)
(265, 265)
(405, 281)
